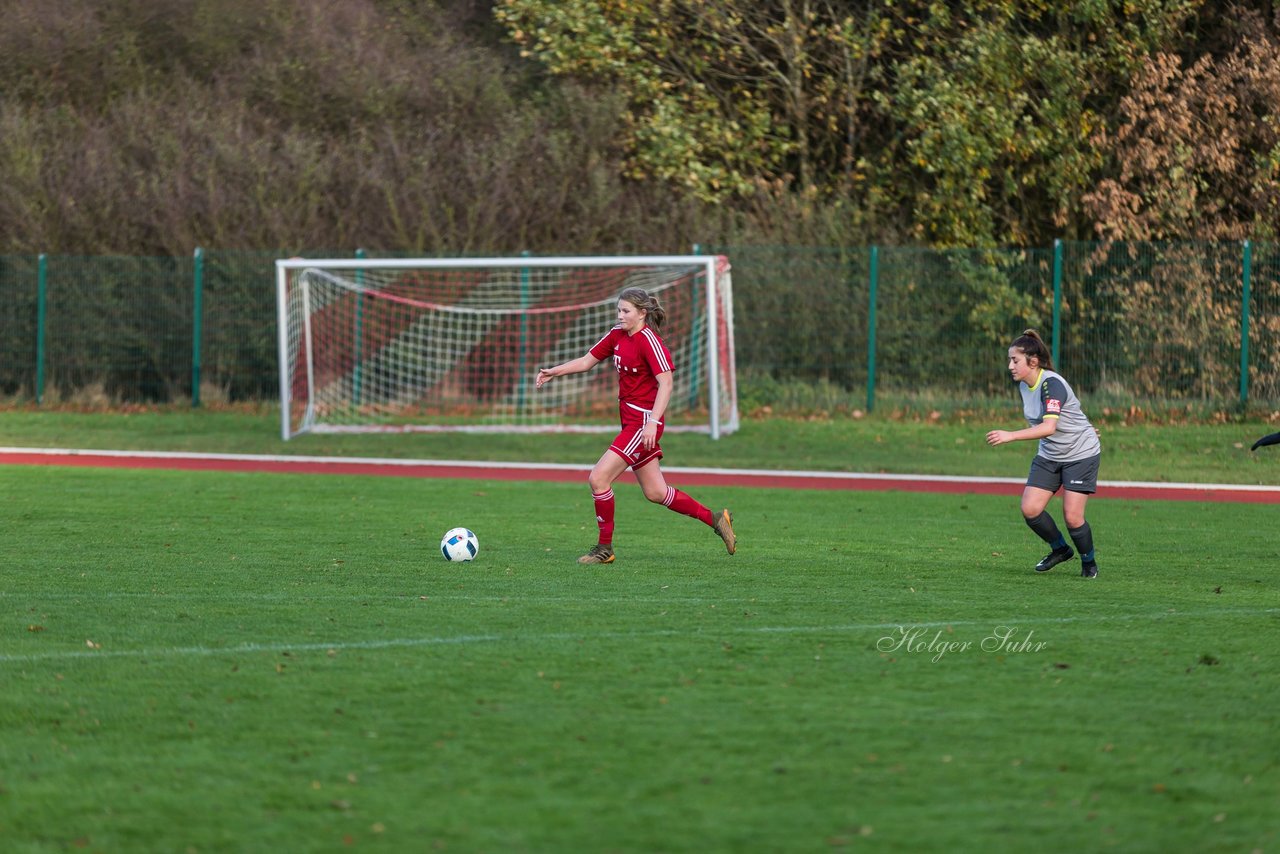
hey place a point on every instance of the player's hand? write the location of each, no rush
(999, 437)
(649, 435)
(544, 377)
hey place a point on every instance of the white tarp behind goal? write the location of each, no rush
(455, 344)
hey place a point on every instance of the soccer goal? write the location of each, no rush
(426, 344)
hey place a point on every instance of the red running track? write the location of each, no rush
(757, 478)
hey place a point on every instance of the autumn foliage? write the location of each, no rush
(151, 126)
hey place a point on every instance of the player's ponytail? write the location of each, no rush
(1032, 346)
(655, 314)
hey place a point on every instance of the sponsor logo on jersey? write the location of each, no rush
(1053, 407)
(623, 369)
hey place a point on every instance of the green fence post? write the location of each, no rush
(1246, 274)
(1057, 300)
(197, 322)
(874, 284)
(42, 283)
(357, 334)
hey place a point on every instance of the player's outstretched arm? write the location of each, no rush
(1273, 439)
(573, 366)
(1002, 437)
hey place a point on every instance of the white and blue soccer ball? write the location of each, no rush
(459, 544)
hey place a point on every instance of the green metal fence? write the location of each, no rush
(1145, 324)
(1152, 324)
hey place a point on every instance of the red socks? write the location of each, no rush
(676, 500)
(604, 515)
(682, 503)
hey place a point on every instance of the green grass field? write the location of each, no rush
(244, 662)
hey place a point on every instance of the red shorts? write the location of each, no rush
(629, 444)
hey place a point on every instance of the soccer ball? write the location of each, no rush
(459, 544)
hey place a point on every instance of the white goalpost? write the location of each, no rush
(435, 344)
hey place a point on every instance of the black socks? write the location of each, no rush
(1047, 530)
(1083, 538)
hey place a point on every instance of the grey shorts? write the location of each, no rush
(1075, 476)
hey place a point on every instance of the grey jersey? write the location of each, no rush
(1052, 397)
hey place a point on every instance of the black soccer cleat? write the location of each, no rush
(1273, 439)
(1089, 570)
(598, 554)
(1054, 558)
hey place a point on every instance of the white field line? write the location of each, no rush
(578, 637)
(519, 466)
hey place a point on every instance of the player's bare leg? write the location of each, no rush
(656, 490)
(1073, 504)
(606, 471)
(1034, 502)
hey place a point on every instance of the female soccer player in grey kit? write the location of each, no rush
(1067, 458)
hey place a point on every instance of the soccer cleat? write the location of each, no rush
(1089, 570)
(598, 554)
(1054, 558)
(724, 527)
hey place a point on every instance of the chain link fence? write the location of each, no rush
(1159, 326)
(1154, 325)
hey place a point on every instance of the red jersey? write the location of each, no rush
(638, 359)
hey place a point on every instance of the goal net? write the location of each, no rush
(370, 345)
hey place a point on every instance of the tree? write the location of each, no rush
(1196, 151)
(974, 125)
(723, 96)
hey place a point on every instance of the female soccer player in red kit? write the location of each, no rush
(644, 370)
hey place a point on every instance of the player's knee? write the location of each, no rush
(598, 483)
(657, 496)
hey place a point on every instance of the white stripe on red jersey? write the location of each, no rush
(659, 352)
